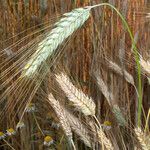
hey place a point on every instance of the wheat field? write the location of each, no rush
(74, 75)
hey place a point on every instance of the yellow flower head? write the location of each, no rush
(2, 135)
(10, 131)
(48, 140)
(30, 107)
(27, 66)
(107, 123)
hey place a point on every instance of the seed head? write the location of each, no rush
(48, 140)
(30, 107)
(107, 125)
(2, 135)
(10, 131)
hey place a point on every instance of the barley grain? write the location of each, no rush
(79, 129)
(64, 28)
(141, 137)
(81, 101)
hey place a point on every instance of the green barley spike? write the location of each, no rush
(64, 28)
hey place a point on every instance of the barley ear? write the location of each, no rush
(103, 140)
(104, 89)
(119, 116)
(79, 129)
(114, 67)
(61, 115)
(145, 65)
(79, 100)
(109, 97)
(64, 28)
(141, 138)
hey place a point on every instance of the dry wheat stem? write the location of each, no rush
(64, 28)
(8, 144)
(82, 102)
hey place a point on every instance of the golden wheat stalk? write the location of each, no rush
(141, 137)
(82, 102)
(79, 129)
(64, 28)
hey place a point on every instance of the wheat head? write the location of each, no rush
(119, 116)
(61, 115)
(103, 140)
(82, 102)
(114, 67)
(141, 137)
(110, 98)
(64, 28)
(79, 129)
(104, 89)
(145, 65)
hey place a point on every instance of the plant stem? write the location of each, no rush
(147, 120)
(73, 145)
(37, 124)
(136, 55)
(8, 144)
(97, 121)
